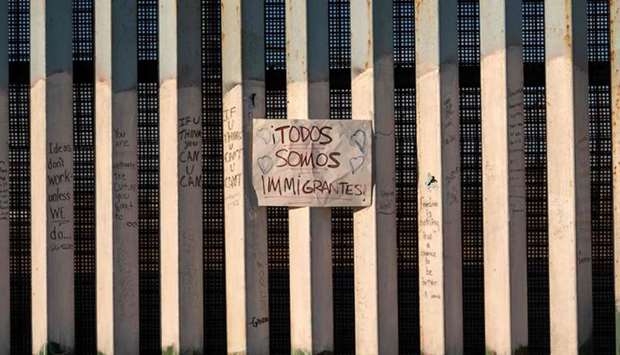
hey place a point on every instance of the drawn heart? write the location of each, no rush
(265, 163)
(359, 140)
(356, 163)
(264, 135)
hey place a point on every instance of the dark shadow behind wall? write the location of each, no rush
(406, 177)
(84, 178)
(471, 176)
(536, 175)
(277, 217)
(601, 175)
(148, 177)
(19, 175)
(213, 188)
(342, 218)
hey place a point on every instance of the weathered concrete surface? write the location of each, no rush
(60, 241)
(103, 168)
(38, 168)
(307, 71)
(375, 251)
(568, 176)
(126, 301)
(439, 191)
(168, 168)
(52, 223)
(503, 174)
(243, 71)
(190, 183)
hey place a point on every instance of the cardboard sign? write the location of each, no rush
(312, 163)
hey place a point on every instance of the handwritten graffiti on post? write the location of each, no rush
(313, 163)
(59, 196)
(4, 190)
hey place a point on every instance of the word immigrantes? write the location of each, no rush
(300, 186)
(312, 162)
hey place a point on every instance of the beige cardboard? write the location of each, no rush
(312, 163)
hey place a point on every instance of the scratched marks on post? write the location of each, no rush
(4, 190)
(430, 235)
(124, 179)
(60, 196)
(516, 155)
(233, 155)
(439, 193)
(190, 150)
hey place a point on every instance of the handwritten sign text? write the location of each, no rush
(316, 163)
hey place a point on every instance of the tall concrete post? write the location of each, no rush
(38, 169)
(51, 138)
(5, 279)
(103, 168)
(503, 177)
(190, 180)
(614, 43)
(243, 87)
(307, 72)
(568, 174)
(168, 184)
(126, 302)
(439, 190)
(375, 251)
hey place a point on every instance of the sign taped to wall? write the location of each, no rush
(312, 163)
